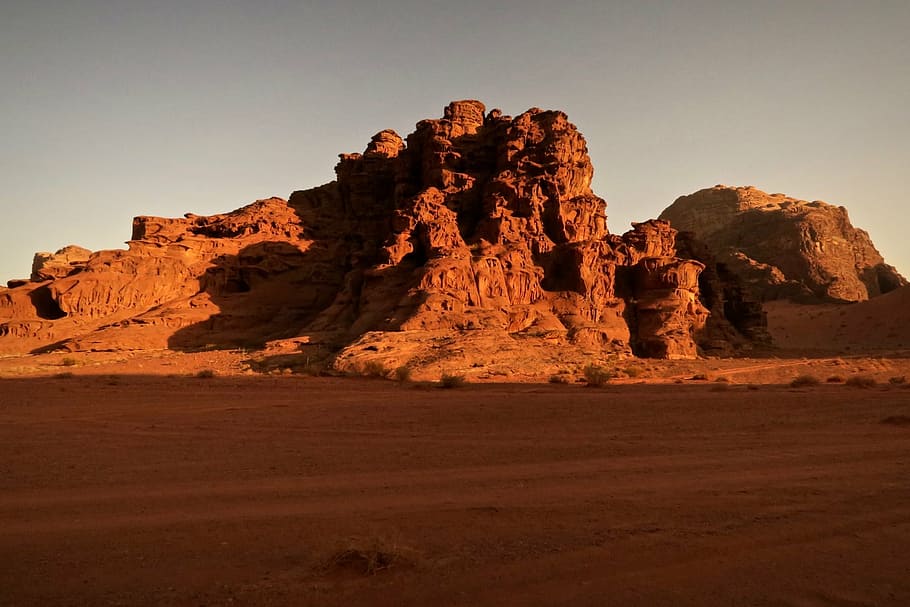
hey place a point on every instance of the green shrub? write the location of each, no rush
(596, 375)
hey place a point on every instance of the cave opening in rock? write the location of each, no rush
(46, 306)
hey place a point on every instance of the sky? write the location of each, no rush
(114, 108)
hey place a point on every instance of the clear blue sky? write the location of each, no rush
(111, 109)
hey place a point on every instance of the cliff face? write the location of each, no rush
(478, 227)
(782, 247)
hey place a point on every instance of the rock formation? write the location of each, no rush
(66, 261)
(478, 230)
(782, 247)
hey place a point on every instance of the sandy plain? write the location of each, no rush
(161, 488)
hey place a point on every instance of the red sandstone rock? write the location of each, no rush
(783, 247)
(50, 266)
(480, 228)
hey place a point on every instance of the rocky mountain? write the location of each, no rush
(476, 240)
(781, 247)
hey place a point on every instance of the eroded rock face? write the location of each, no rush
(51, 266)
(782, 247)
(477, 224)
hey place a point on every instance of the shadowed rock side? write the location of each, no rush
(737, 319)
(480, 229)
(781, 247)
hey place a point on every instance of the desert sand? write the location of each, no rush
(162, 488)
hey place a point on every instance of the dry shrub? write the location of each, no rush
(835, 379)
(206, 374)
(373, 368)
(558, 379)
(804, 381)
(403, 373)
(64, 375)
(722, 379)
(450, 381)
(897, 381)
(596, 375)
(68, 362)
(371, 556)
(861, 381)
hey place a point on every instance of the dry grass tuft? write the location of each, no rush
(206, 374)
(374, 368)
(804, 381)
(596, 375)
(370, 557)
(861, 381)
(450, 381)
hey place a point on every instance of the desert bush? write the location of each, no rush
(861, 381)
(449, 380)
(374, 368)
(558, 379)
(206, 374)
(722, 379)
(369, 556)
(403, 373)
(68, 362)
(64, 375)
(699, 377)
(835, 379)
(897, 381)
(366, 562)
(804, 381)
(596, 375)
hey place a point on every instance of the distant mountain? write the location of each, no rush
(781, 247)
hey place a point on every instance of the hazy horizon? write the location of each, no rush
(174, 107)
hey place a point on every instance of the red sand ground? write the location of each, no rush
(879, 324)
(156, 490)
